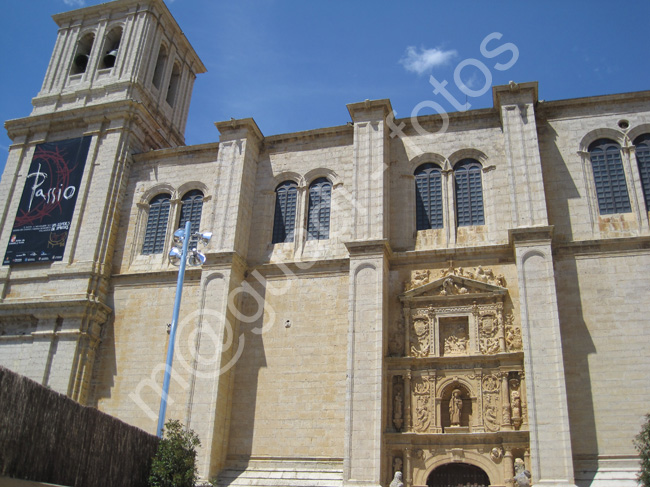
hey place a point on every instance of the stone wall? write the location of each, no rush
(289, 389)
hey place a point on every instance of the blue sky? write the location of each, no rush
(294, 65)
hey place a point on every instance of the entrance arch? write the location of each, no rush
(458, 475)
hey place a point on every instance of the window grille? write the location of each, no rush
(428, 197)
(642, 145)
(284, 222)
(318, 219)
(469, 193)
(609, 178)
(154, 235)
(191, 207)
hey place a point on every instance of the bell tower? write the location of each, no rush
(126, 51)
(119, 82)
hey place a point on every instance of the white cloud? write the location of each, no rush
(75, 3)
(425, 60)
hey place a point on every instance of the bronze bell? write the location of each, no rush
(109, 59)
(81, 61)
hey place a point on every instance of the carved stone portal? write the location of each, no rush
(455, 368)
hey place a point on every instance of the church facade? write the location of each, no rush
(445, 301)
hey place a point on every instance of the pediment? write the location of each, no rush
(451, 285)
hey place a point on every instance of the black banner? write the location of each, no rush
(46, 207)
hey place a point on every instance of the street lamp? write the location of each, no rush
(179, 255)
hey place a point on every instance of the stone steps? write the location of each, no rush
(282, 473)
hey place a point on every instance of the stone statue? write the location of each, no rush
(522, 476)
(397, 480)
(515, 402)
(397, 464)
(455, 407)
(397, 409)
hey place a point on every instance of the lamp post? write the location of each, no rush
(178, 255)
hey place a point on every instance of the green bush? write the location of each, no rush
(174, 464)
(642, 444)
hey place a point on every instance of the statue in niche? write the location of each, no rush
(455, 407)
(397, 480)
(397, 464)
(522, 476)
(398, 421)
(396, 342)
(515, 405)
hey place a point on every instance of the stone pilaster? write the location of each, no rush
(367, 317)
(516, 104)
(234, 182)
(550, 442)
(217, 345)
(370, 206)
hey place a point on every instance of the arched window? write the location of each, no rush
(642, 145)
(611, 188)
(111, 47)
(318, 218)
(284, 222)
(159, 71)
(191, 207)
(154, 235)
(469, 193)
(428, 196)
(173, 84)
(82, 55)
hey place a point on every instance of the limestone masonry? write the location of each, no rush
(439, 306)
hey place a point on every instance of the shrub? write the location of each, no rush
(174, 464)
(642, 445)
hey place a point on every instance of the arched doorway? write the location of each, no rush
(458, 475)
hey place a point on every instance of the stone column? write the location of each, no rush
(505, 402)
(407, 401)
(391, 400)
(408, 471)
(508, 466)
(501, 328)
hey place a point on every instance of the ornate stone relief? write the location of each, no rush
(424, 417)
(489, 334)
(513, 334)
(455, 339)
(421, 277)
(420, 339)
(491, 402)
